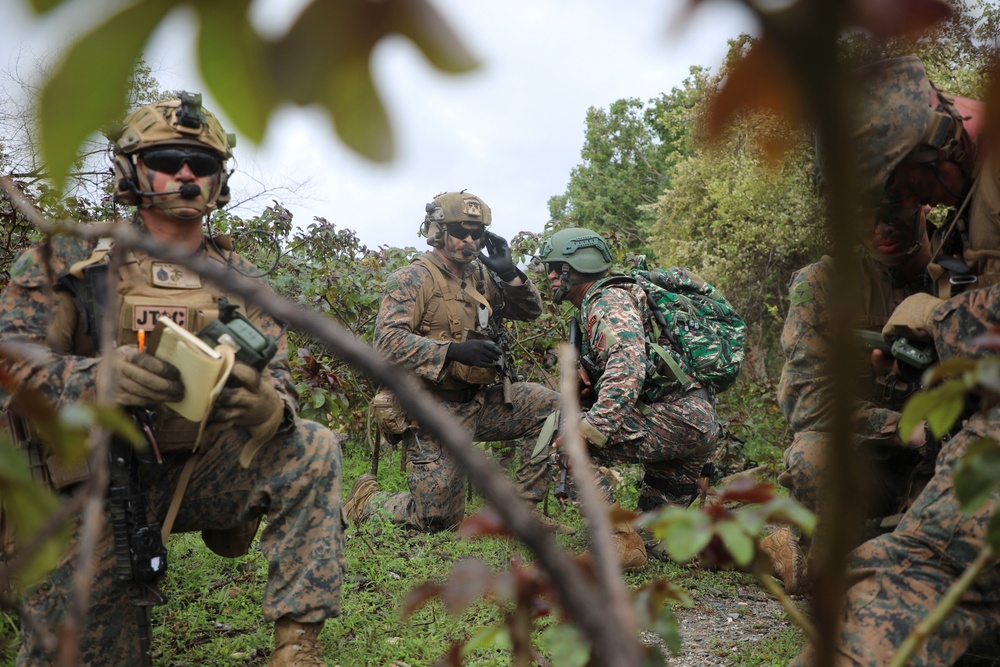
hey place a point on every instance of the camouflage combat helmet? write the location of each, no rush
(462, 207)
(895, 122)
(180, 121)
(582, 250)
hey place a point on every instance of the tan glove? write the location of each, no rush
(256, 406)
(142, 379)
(912, 318)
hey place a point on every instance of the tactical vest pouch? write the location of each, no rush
(473, 374)
(390, 416)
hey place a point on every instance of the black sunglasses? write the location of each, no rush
(458, 231)
(171, 160)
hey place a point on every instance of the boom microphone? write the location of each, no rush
(186, 191)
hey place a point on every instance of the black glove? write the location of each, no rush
(499, 260)
(482, 353)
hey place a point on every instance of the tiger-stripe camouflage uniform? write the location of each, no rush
(433, 309)
(671, 438)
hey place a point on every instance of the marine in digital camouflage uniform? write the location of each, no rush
(892, 266)
(672, 437)
(920, 147)
(437, 320)
(293, 466)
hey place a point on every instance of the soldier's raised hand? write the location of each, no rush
(499, 259)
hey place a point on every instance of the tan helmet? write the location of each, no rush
(895, 122)
(181, 121)
(463, 207)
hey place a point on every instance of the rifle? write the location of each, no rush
(504, 366)
(586, 363)
(141, 558)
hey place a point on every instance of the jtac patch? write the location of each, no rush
(165, 274)
(144, 316)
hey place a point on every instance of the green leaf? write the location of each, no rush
(686, 539)
(29, 507)
(566, 644)
(939, 407)
(325, 58)
(43, 6)
(977, 474)
(738, 543)
(318, 399)
(119, 422)
(784, 508)
(88, 88)
(667, 628)
(495, 635)
(234, 62)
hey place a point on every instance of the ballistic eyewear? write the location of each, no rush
(171, 160)
(457, 230)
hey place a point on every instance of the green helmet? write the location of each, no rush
(894, 122)
(582, 249)
(180, 121)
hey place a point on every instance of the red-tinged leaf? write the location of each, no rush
(453, 658)
(992, 100)
(746, 490)
(420, 595)
(483, 523)
(469, 580)
(893, 18)
(760, 81)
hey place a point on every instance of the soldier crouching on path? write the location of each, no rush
(170, 161)
(438, 320)
(671, 436)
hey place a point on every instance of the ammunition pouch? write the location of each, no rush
(46, 468)
(392, 420)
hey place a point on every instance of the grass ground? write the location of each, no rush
(214, 618)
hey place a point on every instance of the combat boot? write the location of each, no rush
(629, 549)
(296, 644)
(787, 560)
(552, 524)
(357, 499)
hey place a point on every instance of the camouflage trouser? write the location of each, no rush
(899, 577)
(295, 480)
(436, 496)
(678, 438)
(889, 475)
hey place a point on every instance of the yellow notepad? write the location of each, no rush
(204, 370)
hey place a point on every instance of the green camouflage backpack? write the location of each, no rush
(706, 335)
(697, 335)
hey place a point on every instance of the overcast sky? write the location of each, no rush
(510, 132)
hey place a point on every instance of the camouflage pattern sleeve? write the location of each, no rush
(281, 372)
(804, 392)
(397, 323)
(27, 308)
(614, 327)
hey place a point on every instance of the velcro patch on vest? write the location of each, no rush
(144, 316)
(165, 274)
